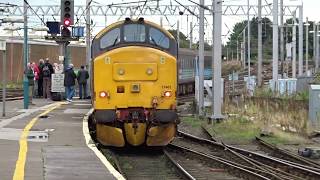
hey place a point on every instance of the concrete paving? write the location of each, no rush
(56, 144)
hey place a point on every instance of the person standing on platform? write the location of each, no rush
(69, 82)
(30, 75)
(47, 70)
(40, 80)
(82, 77)
(36, 72)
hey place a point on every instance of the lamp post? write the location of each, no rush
(307, 44)
(25, 57)
(4, 63)
(294, 44)
(249, 56)
(275, 45)
(300, 28)
(315, 45)
(3, 49)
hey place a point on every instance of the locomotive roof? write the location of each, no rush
(111, 26)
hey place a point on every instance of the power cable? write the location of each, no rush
(145, 2)
(186, 8)
(34, 12)
(7, 5)
(87, 7)
(204, 7)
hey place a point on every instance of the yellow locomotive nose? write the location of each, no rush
(134, 80)
(135, 133)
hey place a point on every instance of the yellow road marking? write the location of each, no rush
(20, 164)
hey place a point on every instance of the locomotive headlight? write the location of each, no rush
(121, 71)
(167, 94)
(149, 71)
(103, 94)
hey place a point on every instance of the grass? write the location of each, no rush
(194, 122)
(281, 137)
(236, 130)
(267, 93)
(251, 117)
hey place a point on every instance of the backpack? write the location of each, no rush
(46, 71)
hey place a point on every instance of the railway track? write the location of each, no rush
(137, 164)
(190, 157)
(175, 163)
(287, 155)
(12, 94)
(203, 166)
(279, 168)
(184, 99)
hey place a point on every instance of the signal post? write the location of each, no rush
(64, 32)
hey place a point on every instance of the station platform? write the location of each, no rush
(50, 141)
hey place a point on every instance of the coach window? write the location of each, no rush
(158, 38)
(111, 38)
(134, 33)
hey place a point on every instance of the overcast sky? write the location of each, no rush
(311, 10)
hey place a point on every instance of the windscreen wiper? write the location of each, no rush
(115, 41)
(154, 41)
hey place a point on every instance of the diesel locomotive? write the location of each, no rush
(134, 83)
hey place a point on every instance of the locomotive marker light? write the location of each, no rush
(103, 94)
(167, 94)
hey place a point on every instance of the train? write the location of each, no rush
(187, 60)
(134, 81)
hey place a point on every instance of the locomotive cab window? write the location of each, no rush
(111, 38)
(134, 33)
(158, 38)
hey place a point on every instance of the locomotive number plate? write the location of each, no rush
(166, 86)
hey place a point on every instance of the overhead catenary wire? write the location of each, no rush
(7, 5)
(34, 12)
(87, 7)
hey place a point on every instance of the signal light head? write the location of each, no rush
(67, 3)
(67, 22)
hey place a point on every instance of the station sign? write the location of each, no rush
(57, 83)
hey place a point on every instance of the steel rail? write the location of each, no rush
(226, 163)
(291, 168)
(181, 170)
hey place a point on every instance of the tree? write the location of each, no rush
(241, 27)
(184, 43)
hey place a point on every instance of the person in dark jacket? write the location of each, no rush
(30, 75)
(82, 77)
(47, 70)
(40, 81)
(69, 82)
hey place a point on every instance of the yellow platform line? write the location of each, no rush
(20, 164)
